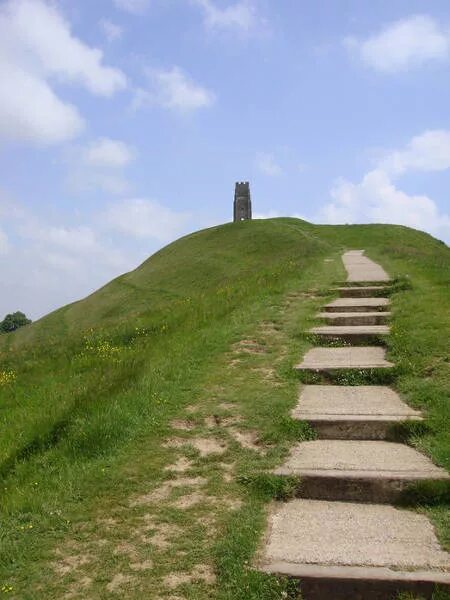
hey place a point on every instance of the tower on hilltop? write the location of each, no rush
(242, 202)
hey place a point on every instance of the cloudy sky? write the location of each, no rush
(125, 123)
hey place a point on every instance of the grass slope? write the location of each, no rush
(186, 361)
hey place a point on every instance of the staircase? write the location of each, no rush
(342, 537)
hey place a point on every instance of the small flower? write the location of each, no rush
(6, 588)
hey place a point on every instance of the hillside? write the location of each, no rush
(91, 396)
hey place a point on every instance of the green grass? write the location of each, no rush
(98, 383)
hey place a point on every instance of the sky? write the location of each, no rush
(124, 124)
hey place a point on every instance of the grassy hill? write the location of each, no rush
(98, 397)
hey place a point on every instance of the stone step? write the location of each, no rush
(332, 359)
(355, 318)
(352, 412)
(345, 551)
(352, 305)
(350, 333)
(360, 268)
(357, 471)
(360, 291)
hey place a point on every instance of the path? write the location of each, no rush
(340, 537)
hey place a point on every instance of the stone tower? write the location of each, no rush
(242, 202)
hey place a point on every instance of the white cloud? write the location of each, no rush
(99, 165)
(174, 90)
(70, 239)
(241, 16)
(106, 152)
(36, 48)
(30, 112)
(135, 7)
(80, 255)
(267, 164)
(111, 30)
(85, 180)
(429, 151)
(142, 218)
(377, 199)
(404, 44)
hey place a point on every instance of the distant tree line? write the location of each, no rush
(13, 321)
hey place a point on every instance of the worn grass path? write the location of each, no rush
(176, 517)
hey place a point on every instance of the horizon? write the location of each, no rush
(125, 124)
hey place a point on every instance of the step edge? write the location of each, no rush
(345, 572)
(318, 368)
(353, 418)
(436, 474)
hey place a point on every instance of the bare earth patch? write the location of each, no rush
(69, 563)
(247, 439)
(159, 535)
(78, 588)
(268, 374)
(182, 424)
(218, 421)
(189, 500)
(249, 347)
(163, 491)
(180, 466)
(228, 421)
(212, 421)
(127, 549)
(205, 446)
(118, 581)
(231, 503)
(142, 566)
(227, 406)
(107, 523)
(235, 362)
(209, 523)
(199, 573)
(228, 474)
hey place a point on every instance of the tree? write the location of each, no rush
(13, 321)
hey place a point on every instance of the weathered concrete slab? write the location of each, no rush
(357, 470)
(366, 401)
(355, 318)
(350, 333)
(361, 292)
(342, 550)
(359, 458)
(352, 412)
(357, 305)
(358, 535)
(361, 268)
(328, 359)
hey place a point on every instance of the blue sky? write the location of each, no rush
(125, 123)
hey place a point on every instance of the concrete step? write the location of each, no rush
(355, 318)
(360, 291)
(352, 412)
(358, 471)
(353, 305)
(345, 551)
(332, 359)
(350, 333)
(360, 268)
